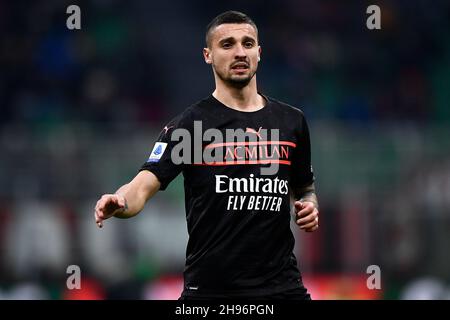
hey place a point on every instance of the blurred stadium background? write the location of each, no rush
(80, 111)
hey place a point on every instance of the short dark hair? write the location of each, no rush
(228, 17)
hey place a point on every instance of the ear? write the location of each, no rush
(259, 54)
(207, 55)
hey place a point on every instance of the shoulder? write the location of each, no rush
(287, 109)
(186, 118)
(199, 106)
(201, 110)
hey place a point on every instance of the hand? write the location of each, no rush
(108, 206)
(307, 215)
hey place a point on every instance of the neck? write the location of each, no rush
(244, 99)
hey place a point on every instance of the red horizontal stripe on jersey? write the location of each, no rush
(227, 163)
(250, 143)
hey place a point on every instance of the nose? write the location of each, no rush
(240, 52)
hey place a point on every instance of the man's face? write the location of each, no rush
(233, 53)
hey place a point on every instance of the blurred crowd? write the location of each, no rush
(80, 110)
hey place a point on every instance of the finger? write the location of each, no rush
(308, 219)
(107, 206)
(114, 199)
(101, 204)
(114, 202)
(298, 205)
(305, 212)
(121, 201)
(117, 200)
(308, 214)
(304, 221)
(101, 213)
(307, 208)
(310, 224)
(312, 229)
(98, 220)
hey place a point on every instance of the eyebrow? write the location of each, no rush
(232, 39)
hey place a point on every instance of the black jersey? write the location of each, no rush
(238, 218)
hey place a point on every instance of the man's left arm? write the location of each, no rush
(306, 208)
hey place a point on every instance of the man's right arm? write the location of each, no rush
(129, 199)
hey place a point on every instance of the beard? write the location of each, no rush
(235, 81)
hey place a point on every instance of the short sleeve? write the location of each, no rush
(302, 171)
(160, 161)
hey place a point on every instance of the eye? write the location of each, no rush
(226, 45)
(248, 44)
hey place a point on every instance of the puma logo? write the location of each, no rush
(166, 128)
(251, 130)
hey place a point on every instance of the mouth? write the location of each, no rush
(240, 66)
